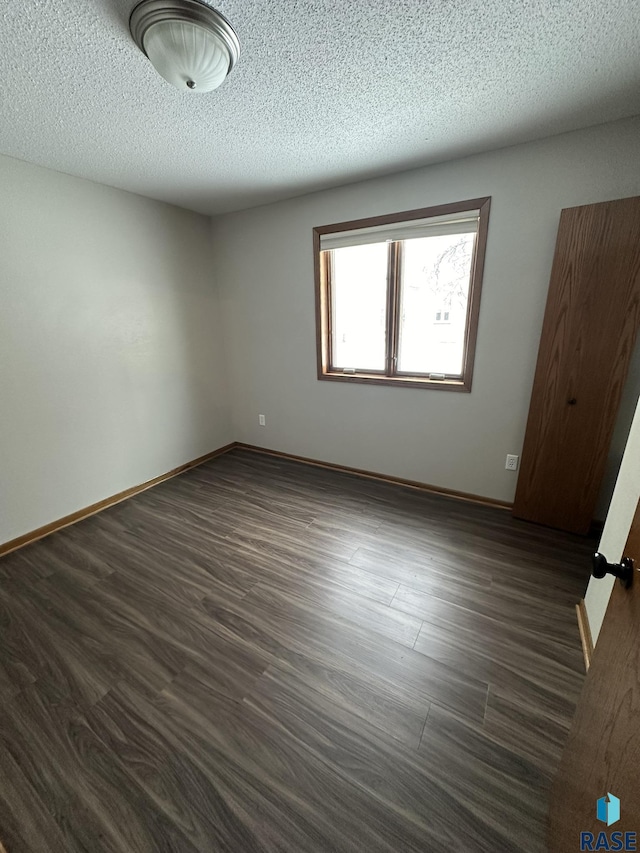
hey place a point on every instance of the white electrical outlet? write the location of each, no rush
(512, 462)
(262, 421)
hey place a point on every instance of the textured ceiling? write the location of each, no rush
(325, 92)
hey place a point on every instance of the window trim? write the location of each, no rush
(324, 301)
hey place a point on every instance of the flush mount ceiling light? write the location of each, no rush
(188, 42)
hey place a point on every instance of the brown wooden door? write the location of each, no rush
(589, 330)
(602, 755)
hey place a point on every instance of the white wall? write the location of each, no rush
(110, 359)
(265, 267)
(616, 529)
(111, 364)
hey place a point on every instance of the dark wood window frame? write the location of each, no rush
(390, 376)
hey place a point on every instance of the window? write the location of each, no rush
(398, 297)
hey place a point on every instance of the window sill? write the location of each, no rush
(399, 381)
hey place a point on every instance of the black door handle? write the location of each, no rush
(622, 570)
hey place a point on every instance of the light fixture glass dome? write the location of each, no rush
(188, 42)
(187, 55)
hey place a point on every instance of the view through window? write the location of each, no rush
(399, 298)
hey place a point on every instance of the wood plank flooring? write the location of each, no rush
(261, 655)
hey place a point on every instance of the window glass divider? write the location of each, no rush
(397, 305)
(392, 267)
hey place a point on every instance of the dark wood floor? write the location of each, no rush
(259, 655)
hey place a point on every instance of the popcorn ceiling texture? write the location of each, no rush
(325, 92)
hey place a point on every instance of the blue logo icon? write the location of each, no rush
(608, 809)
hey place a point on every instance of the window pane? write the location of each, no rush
(359, 294)
(433, 303)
